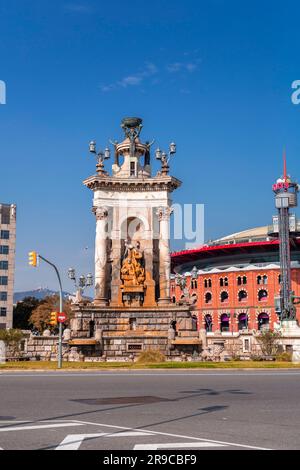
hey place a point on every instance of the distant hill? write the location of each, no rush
(40, 294)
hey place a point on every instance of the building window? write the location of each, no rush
(224, 296)
(174, 299)
(224, 322)
(4, 250)
(132, 324)
(3, 280)
(207, 283)
(246, 345)
(241, 280)
(208, 298)
(223, 281)
(194, 299)
(279, 279)
(3, 311)
(194, 323)
(262, 295)
(243, 321)
(4, 265)
(263, 321)
(132, 168)
(242, 296)
(259, 280)
(3, 296)
(208, 323)
(265, 279)
(4, 234)
(194, 284)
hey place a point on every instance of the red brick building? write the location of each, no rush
(236, 281)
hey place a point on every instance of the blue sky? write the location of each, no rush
(215, 76)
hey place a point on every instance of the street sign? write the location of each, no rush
(61, 317)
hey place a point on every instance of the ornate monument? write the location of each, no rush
(132, 309)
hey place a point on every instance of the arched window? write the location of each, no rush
(262, 295)
(194, 299)
(208, 297)
(244, 280)
(194, 323)
(242, 295)
(207, 283)
(243, 321)
(224, 322)
(208, 323)
(263, 321)
(279, 278)
(224, 296)
(265, 279)
(194, 284)
(223, 281)
(239, 281)
(259, 280)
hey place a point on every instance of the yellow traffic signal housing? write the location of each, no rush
(53, 318)
(33, 258)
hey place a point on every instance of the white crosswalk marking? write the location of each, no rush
(74, 441)
(39, 426)
(176, 445)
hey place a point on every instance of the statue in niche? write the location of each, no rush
(132, 271)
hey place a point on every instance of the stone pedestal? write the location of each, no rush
(291, 337)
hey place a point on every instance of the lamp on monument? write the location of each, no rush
(172, 148)
(158, 154)
(106, 153)
(71, 274)
(82, 281)
(89, 280)
(92, 146)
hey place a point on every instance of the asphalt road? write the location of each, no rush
(150, 410)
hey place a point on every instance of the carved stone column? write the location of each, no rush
(163, 214)
(101, 214)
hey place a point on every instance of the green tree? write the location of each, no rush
(269, 342)
(23, 311)
(12, 339)
(40, 316)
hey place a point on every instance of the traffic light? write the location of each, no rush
(33, 258)
(53, 318)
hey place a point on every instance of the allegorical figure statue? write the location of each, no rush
(132, 271)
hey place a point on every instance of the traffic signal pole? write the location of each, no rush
(59, 360)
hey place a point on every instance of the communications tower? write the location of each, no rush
(285, 225)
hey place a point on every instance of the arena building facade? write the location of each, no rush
(234, 283)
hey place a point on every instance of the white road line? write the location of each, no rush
(176, 445)
(74, 441)
(245, 446)
(40, 426)
(164, 374)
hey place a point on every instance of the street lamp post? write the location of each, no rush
(100, 156)
(34, 258)
(165, 157)
(83, 281)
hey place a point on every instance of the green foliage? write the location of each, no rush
(12, 339)
(284, 357)
(269, 342)
(151, 356)
(23, 311)
(40, 316)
